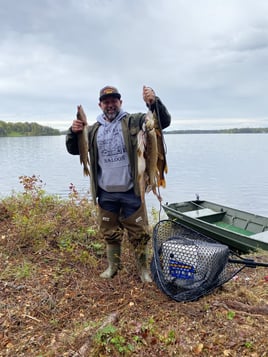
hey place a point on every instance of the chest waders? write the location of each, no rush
(112, 228)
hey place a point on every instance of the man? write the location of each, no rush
(114, 171)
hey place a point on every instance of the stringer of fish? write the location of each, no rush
(151, 157)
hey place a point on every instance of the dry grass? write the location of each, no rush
(53, 302)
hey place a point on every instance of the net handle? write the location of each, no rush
(250, 263)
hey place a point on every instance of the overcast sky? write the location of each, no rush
(206, 59)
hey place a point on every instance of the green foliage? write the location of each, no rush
(149, 325)
(169, 338)
(19, 272)
(25, 129)
(42, 220)
(24, 271)
(230, 315)
(109, 340)
(248, 345)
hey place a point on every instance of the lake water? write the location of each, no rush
(230, 169)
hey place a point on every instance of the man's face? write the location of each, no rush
(110, 107)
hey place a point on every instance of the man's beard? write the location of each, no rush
(111, 115)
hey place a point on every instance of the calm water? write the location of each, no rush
(227, 168)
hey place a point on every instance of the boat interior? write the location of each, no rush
(224, 217)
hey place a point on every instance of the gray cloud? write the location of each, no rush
(205, 59)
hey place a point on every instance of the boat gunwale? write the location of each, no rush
(225, 208)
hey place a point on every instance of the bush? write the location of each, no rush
(39, 219)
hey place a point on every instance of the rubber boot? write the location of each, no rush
(113, 257)
(141, 255)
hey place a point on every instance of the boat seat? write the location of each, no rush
(262, 236)
(197, 213)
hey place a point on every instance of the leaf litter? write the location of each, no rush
(53, 302)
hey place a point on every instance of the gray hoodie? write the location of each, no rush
(114, 174)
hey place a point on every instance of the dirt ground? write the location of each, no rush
(55, 305)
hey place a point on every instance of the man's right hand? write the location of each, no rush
(81, 120)
(77, 126)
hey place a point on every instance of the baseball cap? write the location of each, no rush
(109, 91)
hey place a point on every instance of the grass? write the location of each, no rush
(53, 302)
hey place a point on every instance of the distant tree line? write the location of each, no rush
(25, 129)
(221, 131)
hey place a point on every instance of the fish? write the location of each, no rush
(152, 163)
(141, 139)
(83, 141)
(151, 155)
(161, 150)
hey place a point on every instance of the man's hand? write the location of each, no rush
(81, 121)
(77, 126)
(148, 95)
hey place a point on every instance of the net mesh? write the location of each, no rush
(186, 264)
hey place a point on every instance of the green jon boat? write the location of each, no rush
(240, 230)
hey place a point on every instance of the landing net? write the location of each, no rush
(186, 264)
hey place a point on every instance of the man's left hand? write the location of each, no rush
(148, 95)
